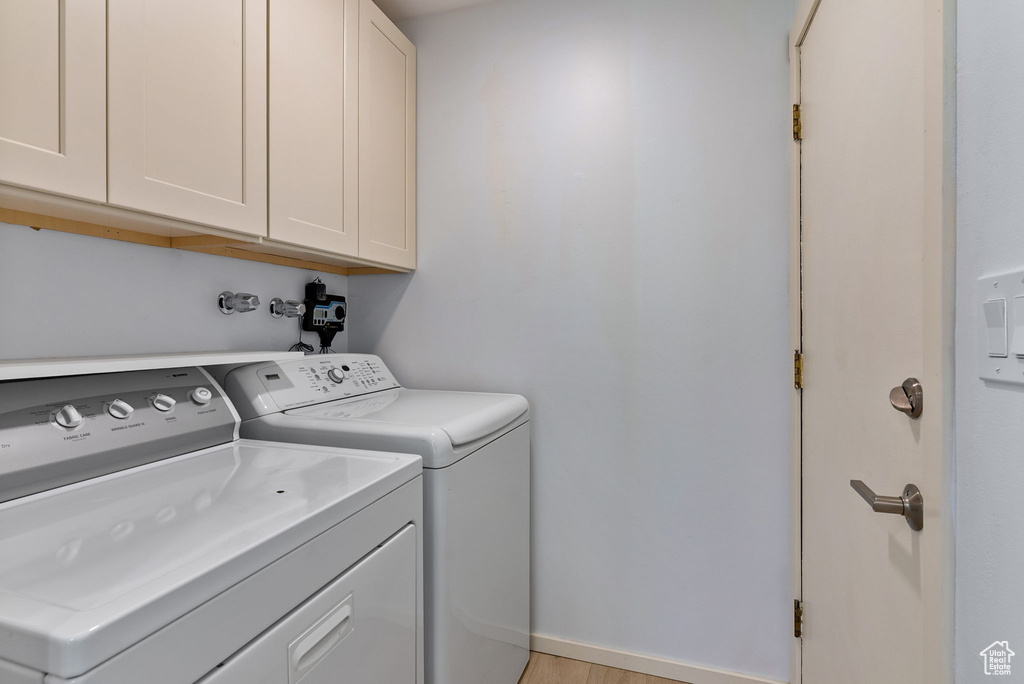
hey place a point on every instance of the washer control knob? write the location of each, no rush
(336, 376)
(68, 417)
(162, 403)
(120, 409)
(201, 396)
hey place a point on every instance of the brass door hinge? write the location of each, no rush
(796, 123)
(798, 369)
(798, 618)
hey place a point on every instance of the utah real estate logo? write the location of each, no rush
(997, 658)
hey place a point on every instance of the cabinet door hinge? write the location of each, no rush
(798, 618)
(796, 123)
(798, 369)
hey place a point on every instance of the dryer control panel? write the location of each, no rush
(263, 388)
(54, 431)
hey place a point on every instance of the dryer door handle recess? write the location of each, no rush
(317, 641)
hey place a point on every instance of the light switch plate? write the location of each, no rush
(999, 312)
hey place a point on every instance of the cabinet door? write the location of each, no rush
(53, 93)
(188, 110)
(387, 140)
(313, 116)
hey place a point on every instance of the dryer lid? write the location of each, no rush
(92, 568)
(464, 416)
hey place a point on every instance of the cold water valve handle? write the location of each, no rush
(288, 308)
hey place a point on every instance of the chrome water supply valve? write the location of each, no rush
(288, 308)
(242, 302)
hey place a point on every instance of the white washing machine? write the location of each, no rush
(476, 480)
(144, 542)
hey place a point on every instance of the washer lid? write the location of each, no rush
(92, 568)
(464, 416)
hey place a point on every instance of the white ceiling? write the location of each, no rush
(400, 10)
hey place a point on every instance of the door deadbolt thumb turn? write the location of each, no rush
(910, 505)
(908, 398)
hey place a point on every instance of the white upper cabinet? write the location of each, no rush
(387, 141)
(313, 117)
(53, 96)
(342, 130)
(187, 112)
(290, 120)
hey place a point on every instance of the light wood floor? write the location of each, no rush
(548, 669)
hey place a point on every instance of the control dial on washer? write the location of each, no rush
(162, 403)
(68, 417)
(200, 396)
(335, 375)
(120, 409)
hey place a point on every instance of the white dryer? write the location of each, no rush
(476, 479)
(144, 542)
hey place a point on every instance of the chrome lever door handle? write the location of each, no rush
(910, 505)
(879, 504)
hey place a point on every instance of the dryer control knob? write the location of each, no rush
(68, 417)
(120, 409)
(336, 376)
(163, 403)
(201, 396)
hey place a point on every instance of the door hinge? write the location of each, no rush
(798, 369)
(796, 123)
(798, 618)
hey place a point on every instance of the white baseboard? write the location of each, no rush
(669, 669)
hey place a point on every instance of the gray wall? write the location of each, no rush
(71, 295)
(603, 228)
(989, 419)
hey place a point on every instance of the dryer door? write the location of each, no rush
(359, 628)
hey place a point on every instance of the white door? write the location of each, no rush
(187, 84)
(53, 117)
(387, 140)
(313, 116)
(876, 311)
